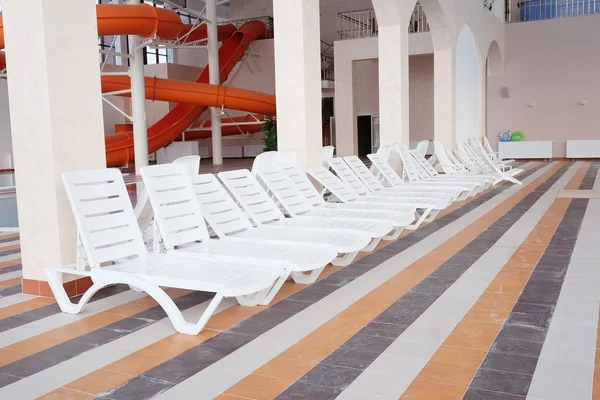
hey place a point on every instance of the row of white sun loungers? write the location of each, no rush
(247, 212)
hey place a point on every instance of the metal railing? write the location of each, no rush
(534, 10)
(327, 73)
(363, 24)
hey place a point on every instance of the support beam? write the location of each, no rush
(393, 85)
(482, 98)
(298, 78)
(57, 75)
(214, 69)
(138, 100)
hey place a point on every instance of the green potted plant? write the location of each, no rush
(270, 131)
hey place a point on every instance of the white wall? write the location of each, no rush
(552, 63)
(467, 91)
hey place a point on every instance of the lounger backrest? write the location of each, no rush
(442, 157)
(345, 173)
(408, 163)
(191, 164)
(328, 152)
(285, 191)
(422, 148)
(176, 209)
(251, 196)
(488, 146)
(365, 175)
(219, 209)
(302, 183)
(385, 170)
(424, 163)
(339, 189)
(266, 158)
(104, 215)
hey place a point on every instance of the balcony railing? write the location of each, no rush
(363, 24)
(534, 10)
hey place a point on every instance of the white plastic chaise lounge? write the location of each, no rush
(508, 175)
(227, 220)
(375, 185)
(496, 156)
(254, 199)
(294, 201)
(427, 209)
(347, 175)
(391, 178)
(108, 232)
(417, 169)
(182, 228)
(457, 171)
(478, 151)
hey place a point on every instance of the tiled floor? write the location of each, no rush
(496, 299)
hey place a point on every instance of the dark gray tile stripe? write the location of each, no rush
(12, 239)
(180, 368)
(12, 268)
(507, 370)
(346, 363)
(9, 291)
(9, 252)
(55, 355)
(51, 309)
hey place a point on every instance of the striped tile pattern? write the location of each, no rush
(495, 299)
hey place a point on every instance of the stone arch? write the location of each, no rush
(494, 59)
(467, 85)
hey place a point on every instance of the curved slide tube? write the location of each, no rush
(193, 97)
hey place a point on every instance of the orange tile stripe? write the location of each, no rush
(56, 336)
(268, 381)
(24, 306)
(10, 236)
(10, 282)
(453, 367)
(145, 359)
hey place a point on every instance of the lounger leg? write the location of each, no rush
(371, 246)
(345, 260)
(421, 218)
(273, 290)
(305, 279)
(252, 300)
(432, 215)
(394, 235)
(65, 304)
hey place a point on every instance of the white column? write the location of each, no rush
(393, 84)
(214, 79)
(482, 98)
(56, 116)
(345, 120)
(298, 78)
(138, 100)
(445, 97)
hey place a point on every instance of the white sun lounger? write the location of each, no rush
(427, 209)
(296, 204)
(495, 155)
(347, 175)
(227, 220)
(181, 226)
(302, 198)
(416, 171)
(458, 171)
(375, 185)
(109, 232)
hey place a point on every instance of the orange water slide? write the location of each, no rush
(193, 97)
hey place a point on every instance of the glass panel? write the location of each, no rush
(151, 58)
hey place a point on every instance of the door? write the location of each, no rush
(364, 127)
